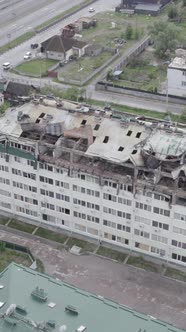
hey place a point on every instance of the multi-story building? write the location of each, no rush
(117, 179)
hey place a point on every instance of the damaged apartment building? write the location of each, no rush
(116, 179)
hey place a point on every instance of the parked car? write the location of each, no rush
(91, 10)
(27, 56)
(34, 45)
(7, 65)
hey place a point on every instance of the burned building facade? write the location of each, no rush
(116, 179)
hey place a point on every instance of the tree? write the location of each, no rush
(129, 32)
(172, 13)
(184, 3)
(165, 37)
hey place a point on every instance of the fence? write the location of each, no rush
(91, 75)
(18, 247)
(133, 51)
(139, 93)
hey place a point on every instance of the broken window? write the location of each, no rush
(96, 127)
(129, 133)
(106, 139)
(138, 135)
(121, 148)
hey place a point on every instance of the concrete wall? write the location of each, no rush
(138, 93)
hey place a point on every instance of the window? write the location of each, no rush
(62, 184)
(158, 251)
(124, 201)
(178, 244)
(49, 218)
(184, 73)
(141, 233)
(143, 206)
(62, 210)
(157, 210)
(47, 193)
(180, 216)
(46, 180)
(109, 197)
(63, 197)
(142, 220)
(160, 225)
(4, 168)
(159, 238)
(161, 197)
(179, 257)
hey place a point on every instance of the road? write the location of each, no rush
(25, 15)
(15, 55)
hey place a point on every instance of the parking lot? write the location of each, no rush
(147, 292)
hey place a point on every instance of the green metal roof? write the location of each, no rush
(91, 311)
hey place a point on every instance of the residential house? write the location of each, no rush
(60, 48)
(176, 76)
(14, 90)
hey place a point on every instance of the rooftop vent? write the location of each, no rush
(138, 135)
(129, 133)
(83, 122)
(21, 310)
(96, 127)
(81, 328)
(39, 294)
(121, 148)
(71, 309)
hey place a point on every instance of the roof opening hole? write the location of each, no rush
(138, 135)
(129, 133)
(83, 122)
(134, 151)
(94, 137)
(121, 148)
(96, 127)
(106, 139)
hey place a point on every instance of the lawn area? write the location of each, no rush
(8, 256)
(143, 264)
(3, 220)
(78, 70)
(110, 253)
(104, 34)
(36, 67)
(145, 77)
(175, 274)
(50, 235)
(4, 107)
(86, 246)
(24, 227)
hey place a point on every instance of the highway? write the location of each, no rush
(25, 15)
(15, 56)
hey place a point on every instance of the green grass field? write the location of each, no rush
(37, 67)
(8, 256)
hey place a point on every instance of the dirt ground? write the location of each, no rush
(147, 292)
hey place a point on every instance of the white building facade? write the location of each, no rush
(127, 211)
(176, 77)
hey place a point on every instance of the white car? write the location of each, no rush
(91, 10)
(7, 66)
(27, 56)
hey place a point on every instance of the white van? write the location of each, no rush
(6, 65)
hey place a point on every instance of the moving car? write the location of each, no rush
(91, 10)
(27, 56)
